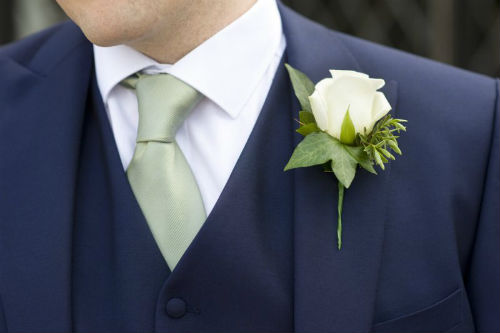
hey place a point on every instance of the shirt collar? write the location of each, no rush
(226, 68)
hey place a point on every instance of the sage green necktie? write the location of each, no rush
(159, 174)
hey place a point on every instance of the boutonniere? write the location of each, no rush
(346, 123)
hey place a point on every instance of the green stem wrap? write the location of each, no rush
(339, 208)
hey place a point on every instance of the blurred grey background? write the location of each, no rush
(464, 33)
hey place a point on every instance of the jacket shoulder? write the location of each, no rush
(22, 51)
(43, 50)
(390, 63)
(323, 45)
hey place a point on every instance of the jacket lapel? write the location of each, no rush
(42, 109)
(334, 290)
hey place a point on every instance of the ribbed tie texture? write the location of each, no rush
(159, 174)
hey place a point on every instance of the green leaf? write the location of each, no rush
(347, 131)
(394, 146)
(362, 157)
(378, 159)
(400, 127)
(302, 86)
(387, 154)
(319, 148)
(315, 149)
(306, 117)
(344, 166)
(308, 129)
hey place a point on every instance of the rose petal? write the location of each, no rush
(381, 107)
(336, 74)
(319, 106)
(354, 93)
(377, 83)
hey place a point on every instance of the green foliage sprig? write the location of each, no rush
(379, 143)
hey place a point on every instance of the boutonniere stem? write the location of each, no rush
(346, 123)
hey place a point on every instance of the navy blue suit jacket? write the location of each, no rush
(421, 242)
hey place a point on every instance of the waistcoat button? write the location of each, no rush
(176, 308)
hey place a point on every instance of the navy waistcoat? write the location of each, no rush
(242, 256)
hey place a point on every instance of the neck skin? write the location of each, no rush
(188, 27)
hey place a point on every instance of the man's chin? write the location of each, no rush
(100, 38)
(103, 43)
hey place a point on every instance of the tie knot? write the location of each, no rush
(164, 103)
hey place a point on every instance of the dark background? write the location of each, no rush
(464, 33)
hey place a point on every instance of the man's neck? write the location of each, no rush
(189, 27)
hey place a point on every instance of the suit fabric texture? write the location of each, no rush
(421, 240)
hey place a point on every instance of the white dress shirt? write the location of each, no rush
(233, 69)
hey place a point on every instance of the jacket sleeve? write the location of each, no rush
(483, 280)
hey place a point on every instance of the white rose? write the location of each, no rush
(348, 90)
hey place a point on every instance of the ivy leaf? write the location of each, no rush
(319, 148)
(306, 117)
(305, 130)
(362, 158)
(315, 149)
(344, 165)
(302, 86)
(347, 131)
